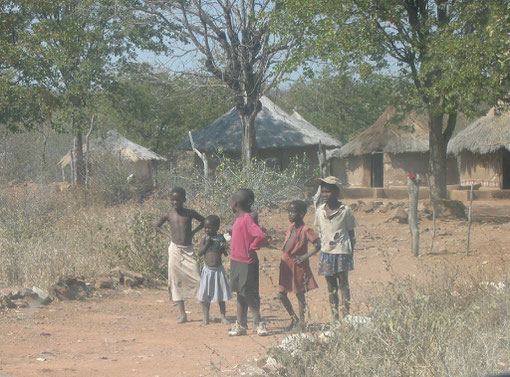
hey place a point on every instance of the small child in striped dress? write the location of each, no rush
(214, 284)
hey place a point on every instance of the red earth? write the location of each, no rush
(134, 332)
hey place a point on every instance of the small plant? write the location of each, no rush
(139, 247)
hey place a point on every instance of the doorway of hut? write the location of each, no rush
(506, 169)
(377, 170)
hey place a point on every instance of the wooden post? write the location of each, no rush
(469, 219)
(203, 157)
(433, 229)
(73, 172)
(87, 157)
(413, 187)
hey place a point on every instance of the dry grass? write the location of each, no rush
(444, 328)
(46, 234)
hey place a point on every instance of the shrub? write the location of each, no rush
(110, 178)
(138, 246)
(45, 234)
(271, 186)
(415, 330)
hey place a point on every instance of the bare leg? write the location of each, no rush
(223, 311)
(183, 318)
(302, 306)
(343, 278)
(333, 295)
(253, 302)
(205, 309)
(242, 310)
(288, 306)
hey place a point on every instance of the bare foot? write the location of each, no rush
(224, 320)
(182, 319)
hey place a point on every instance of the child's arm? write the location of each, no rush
(352, 237)
(223, 248)
(259, 237)
(301, 258)
(206, 242)
(159, 224)
(195, 215)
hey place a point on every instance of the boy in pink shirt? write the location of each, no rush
(247, 238)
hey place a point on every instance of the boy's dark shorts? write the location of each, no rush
(244, 278)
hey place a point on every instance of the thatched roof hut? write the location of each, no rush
(391, 133)
(275, 131)
(116, 144)
(279, 136)
(385, 153)
(485, 135)
(483, 149)
(143, 161)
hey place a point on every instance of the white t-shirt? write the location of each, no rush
(334, 230)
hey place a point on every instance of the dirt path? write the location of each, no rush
(134, 333)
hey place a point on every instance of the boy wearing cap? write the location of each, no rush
(336, 224)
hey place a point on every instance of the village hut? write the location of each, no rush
(483, 151)
(279, 136)
(141, 161)
(387, 152)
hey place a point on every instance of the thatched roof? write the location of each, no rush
(274, 129)
(484, 135)
(391, 133)
(117, 144)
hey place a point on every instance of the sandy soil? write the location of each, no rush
(134, 332)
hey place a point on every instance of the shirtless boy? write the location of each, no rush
(183, 276)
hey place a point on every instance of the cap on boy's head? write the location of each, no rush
(331, 180)
(213, 220)
(179, 190)
(299, 205)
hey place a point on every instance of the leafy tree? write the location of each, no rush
(341, 104)
(445, 48)
(158, 109)
(65, 53)
(234, 43)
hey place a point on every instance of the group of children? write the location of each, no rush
(335, 242)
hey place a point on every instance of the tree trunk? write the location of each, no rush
(87, 159)
(248, 112)
(79, 163)
(413, 187)
(321, 155)
(437, 161)
(249, 145)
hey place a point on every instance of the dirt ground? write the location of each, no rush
(134, 332)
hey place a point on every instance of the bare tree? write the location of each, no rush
(233, 41)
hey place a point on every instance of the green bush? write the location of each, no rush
(138, 246)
